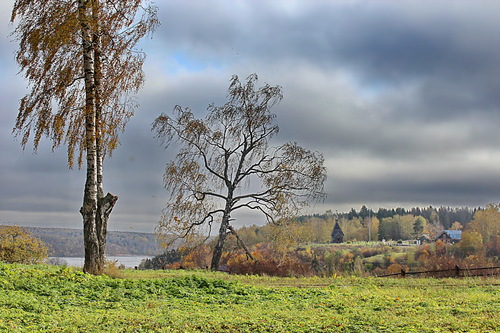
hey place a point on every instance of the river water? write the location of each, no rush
(127, 261)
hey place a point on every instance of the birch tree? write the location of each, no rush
(225, 164)
(82, 65)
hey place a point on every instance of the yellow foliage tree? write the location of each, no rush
(487, 223)
(81, 63)
(471, 244)
(17, 245)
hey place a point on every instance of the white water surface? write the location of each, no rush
(127, 261)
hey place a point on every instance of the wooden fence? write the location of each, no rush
(453, 272)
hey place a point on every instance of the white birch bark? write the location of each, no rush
(89, 208)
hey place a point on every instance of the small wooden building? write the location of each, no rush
(450, 236)
(337, 233)
(423, 239)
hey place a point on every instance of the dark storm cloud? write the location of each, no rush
(449, 51)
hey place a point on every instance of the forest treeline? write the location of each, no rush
(301, 246)
(368, 225)
(64, 242)
(296, 245)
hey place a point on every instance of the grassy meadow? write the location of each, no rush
(41, 298)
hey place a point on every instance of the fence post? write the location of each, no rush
(457, 270)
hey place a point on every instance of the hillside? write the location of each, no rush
(64, 242)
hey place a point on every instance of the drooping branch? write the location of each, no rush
(50, 57)
(80, 79)
(241, 243)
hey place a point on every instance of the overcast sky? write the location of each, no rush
(401, 98)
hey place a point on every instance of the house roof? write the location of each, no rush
(452, 234)
(337, 230)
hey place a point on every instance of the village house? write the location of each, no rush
(450, 236)
(423, 239)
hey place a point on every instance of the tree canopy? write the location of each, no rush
(81, 62)
(17, 245)
(225, 163)
(51, 35)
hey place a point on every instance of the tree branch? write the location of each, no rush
(241, 243)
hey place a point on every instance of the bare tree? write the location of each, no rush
(80, 59)
(225, 164)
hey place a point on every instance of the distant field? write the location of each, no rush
(52, 299)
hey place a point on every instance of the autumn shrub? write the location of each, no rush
(493, 247)
(17, 245)
(371, 251)
(388, 259)
(394, 268)
(432, 258)
(359, 269)
(471, 244)
(377, 271)
(339, 262)
(197, 257)
(185, 257)
(474, 261)
(441, 256)
(423, 252)
(112, 270)
(174, 265)
(269, 262)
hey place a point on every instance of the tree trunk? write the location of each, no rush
(104, 207)
(217, 254)
(96, 207)
(92, 264)
(106, 203)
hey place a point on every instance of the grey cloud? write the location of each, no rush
(471, 179)
(398, 96)
(449, 51)
(381, 40)
(465, 192)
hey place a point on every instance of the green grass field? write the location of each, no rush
(53, 299)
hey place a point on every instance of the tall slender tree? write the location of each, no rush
(226, 164)
(81, 61)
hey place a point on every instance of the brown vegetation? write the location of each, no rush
(300, 248)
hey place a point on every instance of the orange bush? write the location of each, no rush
(269, 262)
(198, 257)
(394, 268)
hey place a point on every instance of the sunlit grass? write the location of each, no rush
(48, 299)
(256, 280)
